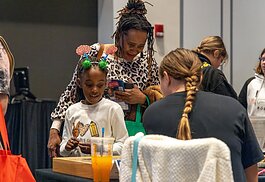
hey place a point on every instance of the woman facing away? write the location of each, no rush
(187, 113)
(130, 63)
(213, 54)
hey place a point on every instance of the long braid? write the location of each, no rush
(183, 64)
(184, 132)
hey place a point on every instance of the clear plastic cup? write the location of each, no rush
(101, 155)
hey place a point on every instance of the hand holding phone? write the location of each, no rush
(128, 85)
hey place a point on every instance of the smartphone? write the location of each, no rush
(128, 85)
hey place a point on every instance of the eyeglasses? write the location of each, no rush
(262, 58)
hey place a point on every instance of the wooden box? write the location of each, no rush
(79, 166)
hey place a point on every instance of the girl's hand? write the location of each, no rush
(85, 148)
(71, 144)
(131, 96)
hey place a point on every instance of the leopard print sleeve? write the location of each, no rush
(154, 73)
(4, 68)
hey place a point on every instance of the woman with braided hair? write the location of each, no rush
(130, 63)
(187, 113)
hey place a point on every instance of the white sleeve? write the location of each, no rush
(67, 134)
(56, 124)
(119, 130)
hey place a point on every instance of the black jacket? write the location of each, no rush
(243, 93)
(214, 79)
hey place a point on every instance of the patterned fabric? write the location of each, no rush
(165, 159)
(136, 70)
(4, 70)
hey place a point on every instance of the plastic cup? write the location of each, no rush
(101, 155)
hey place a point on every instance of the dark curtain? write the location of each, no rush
(28, 124)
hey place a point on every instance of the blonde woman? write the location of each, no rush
(187, 113)
(213, 54)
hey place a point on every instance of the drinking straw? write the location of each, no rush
(103, 130)
(101, 147)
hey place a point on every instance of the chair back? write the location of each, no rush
(161, 158)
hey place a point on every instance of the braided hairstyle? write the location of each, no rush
(183, 64)
(211, 43)
(82, 69)
(132, 16)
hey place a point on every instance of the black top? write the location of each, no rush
(212, 116)
(243, 93)
(214, 79)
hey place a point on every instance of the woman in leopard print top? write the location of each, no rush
(129, 63)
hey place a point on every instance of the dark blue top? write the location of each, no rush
(212, 115)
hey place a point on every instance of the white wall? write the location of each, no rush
(248, 38)
(200, 21)
(239, 22)
(105, 21)
(204, 18)
(187, 22)
(165, 12)
(107, 13)
(158, 13)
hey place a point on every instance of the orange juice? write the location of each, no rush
(101, 166)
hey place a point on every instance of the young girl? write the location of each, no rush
(87, 117)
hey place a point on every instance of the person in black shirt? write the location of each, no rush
(187, 113)
(212, 53)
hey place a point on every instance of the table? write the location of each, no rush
(261, 178)
(28, 124)
(47, 175)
